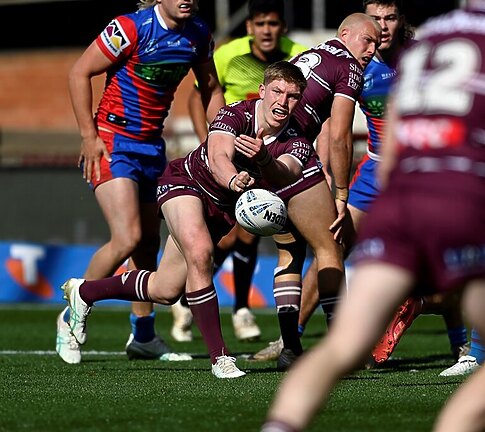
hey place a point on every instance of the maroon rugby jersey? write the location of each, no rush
(441, 103)
(240, 118)
(330, 70)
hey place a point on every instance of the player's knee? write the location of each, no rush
(127, 241)
(200, 261)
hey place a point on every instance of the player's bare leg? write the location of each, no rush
(184, 216)
(312, 223)
(350, 339)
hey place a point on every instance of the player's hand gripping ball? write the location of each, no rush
(261, 212)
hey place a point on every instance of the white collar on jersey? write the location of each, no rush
(159, 17)
(162, 22)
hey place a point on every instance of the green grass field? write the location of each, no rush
(106, 392)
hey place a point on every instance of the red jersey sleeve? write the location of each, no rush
(118, 39)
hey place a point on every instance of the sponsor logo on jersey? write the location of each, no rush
(223, 112)
(388, 75)
(300, 149)
(114, 38)
(337, 52)
(354, 80)
(162, 74)
(431, 133)
(217, 125)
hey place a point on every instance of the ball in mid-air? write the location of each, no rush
(261, 212)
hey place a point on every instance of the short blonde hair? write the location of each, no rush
(284, 70)
(145, 4)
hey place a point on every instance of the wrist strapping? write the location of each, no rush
(230, 182)
(342, 193)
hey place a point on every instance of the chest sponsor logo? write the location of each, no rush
(162, 75)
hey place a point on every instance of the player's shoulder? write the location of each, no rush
(376, 66)
(139, 17)
(336, 48)
(235, 118)
(335, 56)
(240, 109)
(198, 25)
(243, 107)
(226, 52)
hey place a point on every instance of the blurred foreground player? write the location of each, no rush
(434, 161)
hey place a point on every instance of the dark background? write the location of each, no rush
(76, 23)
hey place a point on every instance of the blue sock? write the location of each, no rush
(477, 348)
(457, 336)
(143, 328)
(301, 329)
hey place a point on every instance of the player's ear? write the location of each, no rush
(344, 34)
(262, 91)
(249, 27)
(285, 28)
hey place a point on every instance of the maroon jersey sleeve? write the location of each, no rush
(349, 80)
(234, 119)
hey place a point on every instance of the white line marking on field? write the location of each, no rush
(95, 353)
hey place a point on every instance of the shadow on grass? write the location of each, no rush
(437, 361)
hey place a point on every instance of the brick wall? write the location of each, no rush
(35, 111)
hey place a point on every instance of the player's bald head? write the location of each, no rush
(357, 20)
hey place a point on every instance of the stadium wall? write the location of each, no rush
(33, 273)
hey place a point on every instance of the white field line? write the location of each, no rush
(52, 352)
(174, 357)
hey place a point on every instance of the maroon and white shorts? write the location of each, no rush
(438, 235)
(177, 182)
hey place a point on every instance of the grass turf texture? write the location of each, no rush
(39, 392)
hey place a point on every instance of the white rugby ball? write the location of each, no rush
(261, 212)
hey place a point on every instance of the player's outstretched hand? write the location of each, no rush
(253, 148)
(241, 182)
